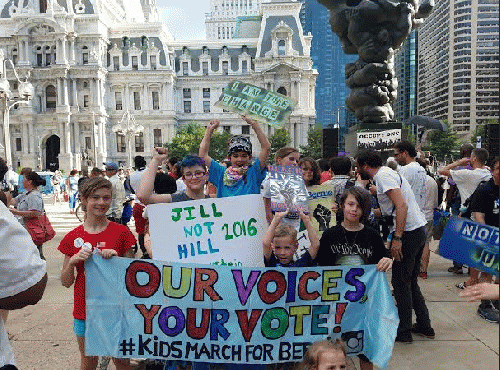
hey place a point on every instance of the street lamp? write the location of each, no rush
(129, 128)
(8, 102)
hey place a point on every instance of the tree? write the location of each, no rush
(481, 131)
(188, 139)
(442, 143)
(314, 147)
(280, 139)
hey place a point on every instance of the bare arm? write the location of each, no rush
(26, 214)
(269, 212)
(401, 211)
(68, 269)
(311, 232)
(479, 217)
(146, 188)
(268, 238)
(264, 142)
(205, 143)
(445, 171)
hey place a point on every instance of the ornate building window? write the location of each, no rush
(206, 93)
(19, 146)
(206, 106)
(139, 143)
(50, 97)
(157, 141)
(205, 68)
(121, 147)
(281, 47)
(118, 100)
(39, 56)
(85, 55)
(282, 91)
(185, 68)
(186, 93)
(14, 56)
(43, 6)
(155, 95)
(85, 101)
(152, 62)
(187, 107)
(47, 56)
(225, 68)
(135, 63)
(244, 67)
(116, 63)
(137, 100)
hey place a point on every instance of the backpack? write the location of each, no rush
(349, 184)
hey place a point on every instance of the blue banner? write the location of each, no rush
(153, 309)
(471, 243)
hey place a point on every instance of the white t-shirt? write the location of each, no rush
(431, 198)
(387, 179)
(416, 176)
(20, 268)
(468, 180)
(135, 182)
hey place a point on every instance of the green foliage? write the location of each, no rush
(218, 145)
(443, 143)
(188, 139)
(410, 136)
(280, 139)
(314, 147)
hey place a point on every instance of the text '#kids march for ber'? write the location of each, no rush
(146, 309)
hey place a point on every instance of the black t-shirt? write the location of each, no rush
(341, 247)
(485, 200)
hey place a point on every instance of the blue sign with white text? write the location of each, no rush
(471, 243)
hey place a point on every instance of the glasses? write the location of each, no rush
(196, 175)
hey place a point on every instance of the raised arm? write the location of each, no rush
(205, 143)
(146, 188)
(311, 232)
(264, 142)
(268, 238)
(445, 171)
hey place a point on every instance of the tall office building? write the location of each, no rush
(458, 64)
(330, 61)
(406, 68)
(220, 23)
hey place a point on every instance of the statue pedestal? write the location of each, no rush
(351, 138)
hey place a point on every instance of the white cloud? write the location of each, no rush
(183, 23)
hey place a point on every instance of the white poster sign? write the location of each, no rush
(378, 140)
(220, 231)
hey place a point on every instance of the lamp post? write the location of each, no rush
(129, 128)
(8, 102)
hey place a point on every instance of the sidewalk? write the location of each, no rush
(43, 339)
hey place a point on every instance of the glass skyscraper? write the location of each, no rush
(330, 60)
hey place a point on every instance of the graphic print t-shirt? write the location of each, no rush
(339, 246)
(115, 236)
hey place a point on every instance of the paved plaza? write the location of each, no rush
(43, 338)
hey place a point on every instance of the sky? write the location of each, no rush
(185, 19)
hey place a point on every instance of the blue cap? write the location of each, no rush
(111, 166)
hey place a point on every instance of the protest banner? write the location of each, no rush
(258, 103)
(471, 243)
(288, 190)
(378, 140)
(320, 207)
(154, 309)
(219, 231)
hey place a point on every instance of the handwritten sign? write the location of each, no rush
(153, 309)
(257, 102)
(471, 243)
(226, 231)
(320, 207)
(378, 140)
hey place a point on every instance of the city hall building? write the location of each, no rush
(93, 61)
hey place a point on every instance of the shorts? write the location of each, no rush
(429, 226)
(140, 222)
(79, 328)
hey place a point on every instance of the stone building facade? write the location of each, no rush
(92, 61)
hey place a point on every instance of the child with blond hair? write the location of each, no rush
(324, 355)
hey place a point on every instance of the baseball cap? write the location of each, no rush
(111, 166)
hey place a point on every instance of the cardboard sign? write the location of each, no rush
(153, 309)
(288, 190)
(471, 243)
(260, 104)
(225, 231)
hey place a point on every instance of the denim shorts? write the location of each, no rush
(79, 328)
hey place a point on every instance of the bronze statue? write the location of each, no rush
(374, 29)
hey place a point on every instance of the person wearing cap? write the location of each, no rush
(114, 213)
(241, 177)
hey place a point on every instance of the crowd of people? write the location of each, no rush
(382, 215)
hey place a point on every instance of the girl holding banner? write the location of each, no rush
(97, 234)
(352, 243)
